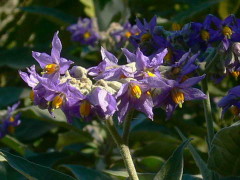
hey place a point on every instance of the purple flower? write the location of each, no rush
(53, 64)
(98, 103)
(134, 95)
(108, 69)
(121, 36)
(9, 121)
(84, 32)
(32, 79)
(148, 41)
(174, 94)
(231, 100)
(59, 95)
(145, 66)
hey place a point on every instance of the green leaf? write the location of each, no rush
(51, 13)
(8, 173)
(31, 170)
(89, 7)
(72, 137)
(224, 155)
(150, 163)
(10, 95)
(173, 167)
(206, 173)
(15, 145)
(124, 174)
(190, 177)
(228, 7)
(109, 10)
(83, 173)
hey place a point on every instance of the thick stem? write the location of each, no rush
(208, 112)
(124, 150)
(127, 127)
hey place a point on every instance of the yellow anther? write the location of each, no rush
(184, 78)
(31, 95)
(128, 34)
(146, 37)
(148, 93)
(176, 27)
(235, 74)
(135, 91)
(178, 97)
(227, 31)
(11, 119)
(205, 35)
(235, 110)
(50, 68)
(85, 108)
(57, 102)
(150, 74)
(169, 55)
(86, 35)
(137, 33)
(122, 76)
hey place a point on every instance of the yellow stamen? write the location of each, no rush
(11, 119)
(146, 37)
(178, 97)
(150, 74)
(128, 34)
(227, 31)
(235, 110)
(135, 91)
(122, 76)
(205, 35)
(11, 129)
(184, 78)
(137, 33)
(86, 35)
(149, 93)
(85, 108)
(169, 55)
(235, 74)
(31, 95)
(176, 27)
(57, 102)
(50, 68)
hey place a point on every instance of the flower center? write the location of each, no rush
(235, 74)
(146, 37)
(85, 108)
(31, 95)
(178, 97)
(150, 74)
(176, 27)
(58, 101)
(227, 31)
(135, 91)
(11, 129)
(86, 35)
(128, 34)
(50, 68)
(205, 35)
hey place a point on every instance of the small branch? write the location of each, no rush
(124, 150)
(127, 127)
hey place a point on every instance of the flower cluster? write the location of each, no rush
(9, 121)
(143, 83)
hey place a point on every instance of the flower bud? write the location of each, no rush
(236, 48)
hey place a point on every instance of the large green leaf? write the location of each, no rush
(224, 155)
(83, 173)
(51, 13)
(173, 167)
(8, 173)
(110, 10)
(31, 170)
(10, 95)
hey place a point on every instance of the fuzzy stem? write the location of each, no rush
(208, 113)
(127, 126)
(124, 150)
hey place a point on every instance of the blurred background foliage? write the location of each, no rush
(83, 150)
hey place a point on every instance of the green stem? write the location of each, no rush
(208, 113)
(127, 126)
(124, 150)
